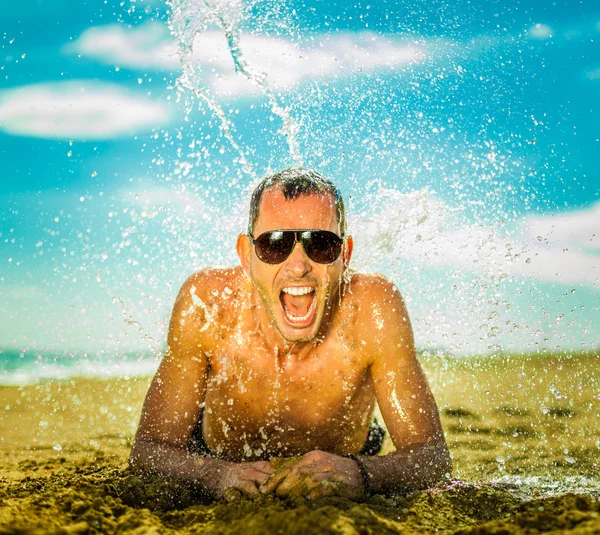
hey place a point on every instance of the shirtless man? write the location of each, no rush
(287, 356)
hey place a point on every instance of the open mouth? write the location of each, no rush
(299, 305)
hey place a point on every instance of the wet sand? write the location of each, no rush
(524, 434)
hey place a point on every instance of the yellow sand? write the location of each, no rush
(64, 445)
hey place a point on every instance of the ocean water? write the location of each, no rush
(30, 366)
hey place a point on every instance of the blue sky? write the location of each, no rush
(465, 136)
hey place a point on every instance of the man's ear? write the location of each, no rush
(347, 251)
(244, 250)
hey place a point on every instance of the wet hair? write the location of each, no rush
(295, 182)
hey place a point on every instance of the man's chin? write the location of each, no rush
(296, 331)
(297, 335)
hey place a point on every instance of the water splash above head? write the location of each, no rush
(187, 21)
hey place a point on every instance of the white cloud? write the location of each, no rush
(286, 64)
(561, 34)
(80, 110)
(564, 246)
(580, 229)
(421, 229)
(540, 31)
(594, 74)
(147, 46)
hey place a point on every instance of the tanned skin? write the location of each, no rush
(272, 389)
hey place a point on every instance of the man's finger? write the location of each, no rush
(314, 468)
(257, 476)
(247, 487)
(280, 474)
(304, 475)
(296, 485)
(273, 481)
(325, 488)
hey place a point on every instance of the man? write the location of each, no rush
(286, 357)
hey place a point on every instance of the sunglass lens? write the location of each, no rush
(274, 247)
(323, 247)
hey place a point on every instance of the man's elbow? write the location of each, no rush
(143, 454)
(439, 465)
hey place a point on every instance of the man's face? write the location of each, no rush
(296, 317)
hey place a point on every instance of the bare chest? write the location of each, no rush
(256, 397)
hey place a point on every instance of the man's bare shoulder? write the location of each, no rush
(379, 310)
(211, 293)
(210, 282)
(373, 288)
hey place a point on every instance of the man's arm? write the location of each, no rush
(407, 405)
(175, 398)
(405, 399)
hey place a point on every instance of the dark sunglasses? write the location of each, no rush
(321, 246)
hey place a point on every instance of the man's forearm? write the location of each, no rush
(175, 463)
(417, 466)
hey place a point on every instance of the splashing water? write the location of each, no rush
(402, 233)
(187, 20)
(154, 345)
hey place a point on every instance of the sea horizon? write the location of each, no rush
(21, 367)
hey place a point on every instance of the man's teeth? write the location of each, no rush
(298, 290)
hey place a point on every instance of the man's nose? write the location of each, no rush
(298, 262)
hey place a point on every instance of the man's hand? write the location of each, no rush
(237, 479)
(314, 475)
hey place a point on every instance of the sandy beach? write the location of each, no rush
(524, 433)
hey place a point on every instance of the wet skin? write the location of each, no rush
(274, 386)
